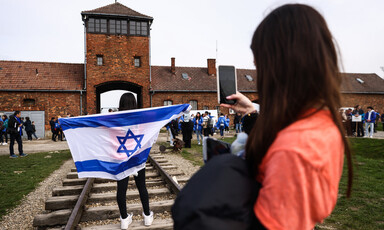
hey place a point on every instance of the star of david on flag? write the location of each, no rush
(116, 145)
(122, 140)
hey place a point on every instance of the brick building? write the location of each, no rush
(117, 57)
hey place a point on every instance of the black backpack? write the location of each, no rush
(221, 195)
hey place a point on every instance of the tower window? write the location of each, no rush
(193, 103)
(138, 28)
(137, 61)
(205, 107)
(167, 102)
(99, 59)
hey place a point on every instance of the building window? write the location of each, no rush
(29, 102)
(99, 59)
(138, 28)
(111, 26)
(137, 61)
(193, 104)
(91, 25)
(205, 107)
(103, 26)
(167, 102)
(218, 110)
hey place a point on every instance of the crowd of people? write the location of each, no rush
(360, 123)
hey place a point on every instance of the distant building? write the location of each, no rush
(117, 57)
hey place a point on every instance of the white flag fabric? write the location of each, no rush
(116, 145)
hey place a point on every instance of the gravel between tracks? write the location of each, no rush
(22, 216)
(33, 204)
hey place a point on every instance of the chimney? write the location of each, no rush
(173, 68)
(211, 66)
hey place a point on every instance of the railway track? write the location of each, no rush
(91, 203)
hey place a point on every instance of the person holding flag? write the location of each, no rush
(128, 102)
(116, 145)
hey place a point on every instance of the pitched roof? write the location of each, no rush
(164, 80)
(362, 83)
(199, 80)
(116, 9)
(22, 75)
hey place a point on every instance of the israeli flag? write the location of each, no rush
(116, 145)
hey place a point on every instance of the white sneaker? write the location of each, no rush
(148, 219)
(198, 143)
(5, 143)
(126, 222)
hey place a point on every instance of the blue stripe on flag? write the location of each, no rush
(120, 119)
(110, 167)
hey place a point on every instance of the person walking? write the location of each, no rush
(28, 128)
(198, 127)
(34, 130)
(128, 102)
(4, 131)
(14, 129)
(53, 128)
(370, 117)
(221, 125)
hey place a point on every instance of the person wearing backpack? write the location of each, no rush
(221, 124)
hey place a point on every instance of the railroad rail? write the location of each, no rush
(90, 203)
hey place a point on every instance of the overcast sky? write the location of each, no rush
(52, 30)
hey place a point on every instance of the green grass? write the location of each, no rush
(20, 176)
(364, 210)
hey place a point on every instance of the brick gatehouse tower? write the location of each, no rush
(117, 43)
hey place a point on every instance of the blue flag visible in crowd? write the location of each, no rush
(116, 145)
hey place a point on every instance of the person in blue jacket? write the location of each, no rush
(4, 131)
(369, 117)
(198, 127)
(221, 124)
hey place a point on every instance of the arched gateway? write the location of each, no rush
(118, 85)
(117, 53)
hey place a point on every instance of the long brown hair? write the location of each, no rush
(297, 69)
(127, 102)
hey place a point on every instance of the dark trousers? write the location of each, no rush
(5, 134)
(187, 143)
(16, 137)
(29, 134)
(222, 132)
(121, 195)
(54, 134)
(206, 132)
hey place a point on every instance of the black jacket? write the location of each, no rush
(13, 124)
(220, 195)
(28, 126)
(187, 129)
(52, 124)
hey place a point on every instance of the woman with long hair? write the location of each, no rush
(296, 148)
(127, 102)
(198, 124)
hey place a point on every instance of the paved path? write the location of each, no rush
(47, 145)
(36, 146)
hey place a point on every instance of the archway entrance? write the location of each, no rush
(118, 85)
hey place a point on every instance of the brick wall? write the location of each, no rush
(365, 100)
(118, 64)
(203, 99)
(53, 104)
